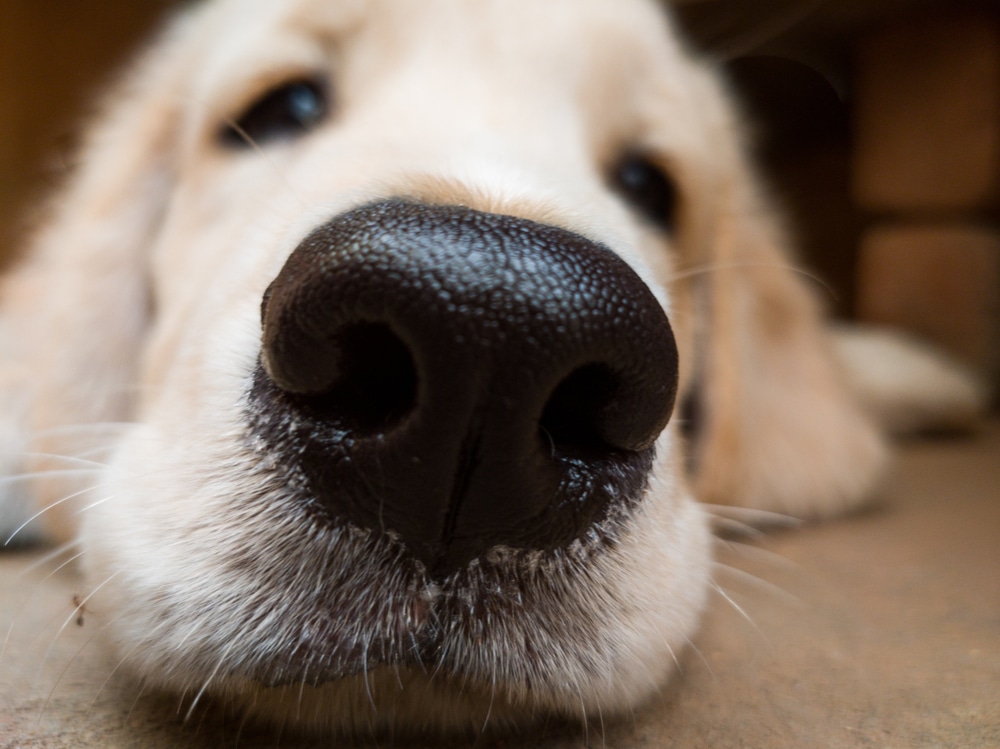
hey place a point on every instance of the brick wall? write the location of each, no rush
(926, 168)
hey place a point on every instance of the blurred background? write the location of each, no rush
(877, 123)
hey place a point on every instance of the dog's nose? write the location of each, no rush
(462, 380)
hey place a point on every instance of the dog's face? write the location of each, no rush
(385, 292)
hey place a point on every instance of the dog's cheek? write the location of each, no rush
(645, 599)
(665, 578)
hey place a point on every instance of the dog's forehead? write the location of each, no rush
(584, 37)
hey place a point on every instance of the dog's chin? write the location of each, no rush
(240, 595)
(403, 703)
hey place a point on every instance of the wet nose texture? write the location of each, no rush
(461, 380)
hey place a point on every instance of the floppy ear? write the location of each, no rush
(73, 311)
(777, 428)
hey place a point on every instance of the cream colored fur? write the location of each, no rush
(138, 312)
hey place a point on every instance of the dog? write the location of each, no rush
(385, 358)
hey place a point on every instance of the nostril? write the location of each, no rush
(573, 418)
(376, 386)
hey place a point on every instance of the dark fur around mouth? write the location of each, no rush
(354, 600)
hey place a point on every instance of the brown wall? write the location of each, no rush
(54, 58)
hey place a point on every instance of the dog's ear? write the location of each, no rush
(776, 426)
(76, 305)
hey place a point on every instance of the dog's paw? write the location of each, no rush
(908, 385)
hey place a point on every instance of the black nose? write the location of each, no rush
(462, 380)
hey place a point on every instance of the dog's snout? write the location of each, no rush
(462, 380)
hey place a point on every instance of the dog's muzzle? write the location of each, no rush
(460, 380)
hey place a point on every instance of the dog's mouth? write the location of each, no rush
(384, 610)
(469, 403)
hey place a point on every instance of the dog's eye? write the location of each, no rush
(285, 112)
(644, 185)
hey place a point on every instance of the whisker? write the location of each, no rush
(122, 660)
(59, 456)
(248, 139)
(211, 676)
(97, 426)
(52, 555)
(759, 583)
(98, 503)
(76, 611)
(74, 614)
(750, 550)
(97, 450)
(742, 612)
(728, 528)
(135, 703)
(699, 270)
(17, 478)
(364, 674)
(45, 509)
(754, 517)
(71, 472)
(772, 28)
(302, 689)
(673, 656)
(239, 729)
(489, 709)
(701, 656)
(27, 571)
(600, 720)
(62, 673)
(63, 564)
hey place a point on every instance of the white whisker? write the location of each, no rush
(701, 656)
(739, 609)
(753, 517)
(45, 509)
(90, 452)
(63, 564)
(52, 555)
(121, 661)
(94, 427)
(59, 456)
(138, 696)
(249, 140)
(75, 613)
(17, 478)
(92, 505)
(204, 687)
(31, 568)
(731, 528)
(673, 656)
(751, 550)
(759, 583)
(62, 673)
(77, 609)
(699, 270)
